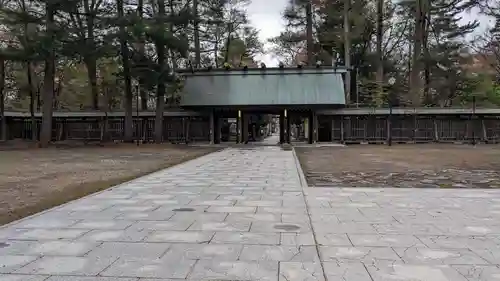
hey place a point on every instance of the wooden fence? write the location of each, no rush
(410, 127)
(340, 126)
(176, 129)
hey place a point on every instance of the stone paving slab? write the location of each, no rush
(236, 270)
(150, 268)
(16, 277)
(243, 214)
(404, 272)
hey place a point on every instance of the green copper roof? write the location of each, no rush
(271, 86)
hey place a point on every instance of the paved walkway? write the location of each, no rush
(270, 140)
(241, 214)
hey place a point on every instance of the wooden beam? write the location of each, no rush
(408, 111)
(80, 114)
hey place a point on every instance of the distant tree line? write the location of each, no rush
(424, 45)
(103, 55)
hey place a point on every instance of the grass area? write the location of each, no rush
(426, 165)
(33, 180)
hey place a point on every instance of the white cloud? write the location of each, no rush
(265, 15)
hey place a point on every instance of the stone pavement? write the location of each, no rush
(242, 214)
(270, 140)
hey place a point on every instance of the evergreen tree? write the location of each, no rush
(447, 48)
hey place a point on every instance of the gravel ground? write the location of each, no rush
(32, 180)
(416, 166)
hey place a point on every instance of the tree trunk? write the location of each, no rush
(228, 42)
(105, 121)
(380, 55)
(160, 91)
(91, 64)
(143, 93)
(3, 125)
(415, 79)
(347, 49)
(58, 88)
(171, 52)
(128, 126)
(90, 60)
(48, 102)
(427, 55)
(48, 82)
(216, 46)
(309, 33)
(160, 106)
(29, 74)
(38, 98)
(197, 46)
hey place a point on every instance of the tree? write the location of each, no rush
(160, 91)
(197, 46)
(242, 49)
(421, 8)
(335, 31)
(347, 48)
(125, 56)
(3, 121)
(380, 55)
(3, 124)
(448, 51)
(403, 39)
(487, 46)
(85, 42)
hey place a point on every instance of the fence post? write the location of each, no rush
(485, 132)
(3, 128)
(389, 126)
(473, 119)
(212, 125)
(187, 120)
(342, 140)
(315, 126)
(436, 134)
(332, 129)
(415, 127)
(239, 124)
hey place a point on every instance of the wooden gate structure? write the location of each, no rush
(308, 97)
(361, 125)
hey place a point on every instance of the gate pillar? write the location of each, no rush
(238, 127)
(287, 126)
(244, 119)
(217, 132)
(310, 128)
(212, 127)
(282, 128)
(315, 126)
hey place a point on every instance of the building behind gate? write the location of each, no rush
(308, 102)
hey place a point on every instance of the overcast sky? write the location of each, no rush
(265, 15)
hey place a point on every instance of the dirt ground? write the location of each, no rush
(431, 166)
(32, 180)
